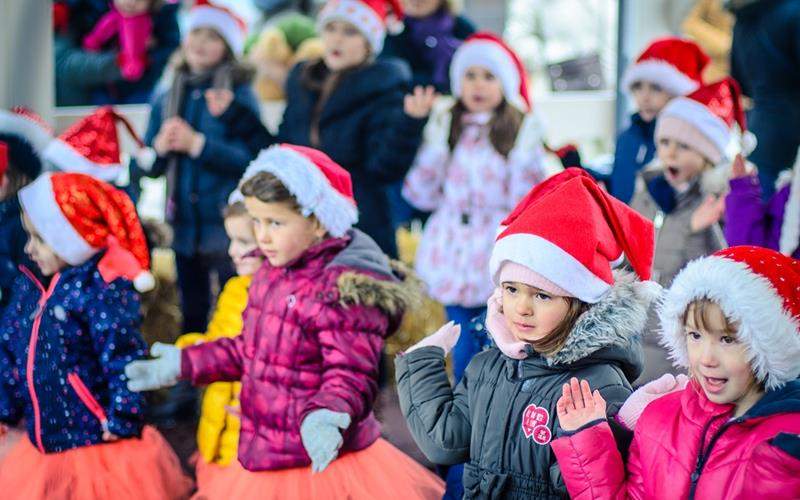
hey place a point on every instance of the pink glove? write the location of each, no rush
(496, 324)
(636, 403)
(444, 338)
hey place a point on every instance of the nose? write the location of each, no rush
(708, 354)
(523, 307)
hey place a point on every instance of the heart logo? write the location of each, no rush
(535, 418)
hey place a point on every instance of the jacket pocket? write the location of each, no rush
(86, 397)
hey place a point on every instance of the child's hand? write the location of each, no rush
(149, 375)
(218, 100)
(419, 104)
(636, 403)
(578, 406)
(109, 437)
(321, 434)
(181, 137)
(444, 338)
(708, 213)
(739, 168)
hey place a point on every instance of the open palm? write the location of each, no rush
(578, 405)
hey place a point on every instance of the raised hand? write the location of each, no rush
(708, 213)
(578, 405)
(218, 100)
(445, 338)
(636, 403)
(419, 104)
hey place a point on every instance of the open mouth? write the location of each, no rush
(714, 384)
(673, 171)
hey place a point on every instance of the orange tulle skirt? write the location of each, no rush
(379, 471)
(135, 469)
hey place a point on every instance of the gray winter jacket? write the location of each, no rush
(502, 415)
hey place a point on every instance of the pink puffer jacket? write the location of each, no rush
(685, 446)
(312, 338)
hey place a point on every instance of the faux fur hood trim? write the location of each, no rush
(393, 296)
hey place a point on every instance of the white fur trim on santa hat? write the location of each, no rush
(39, 203)
(700, 117)
(663, 74)
(66, 158)
(308, 185)
(207, 16)
(790, 229)
(359, 15)
(17, 124)
(490, 55)
(765, 327)
(551, 261)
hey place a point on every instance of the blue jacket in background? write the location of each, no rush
(79, 332)
(635, 148)
(202, 184)
(12, 247)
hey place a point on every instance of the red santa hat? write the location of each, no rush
(674, 64)
(571, 233)
(224, 21)
(320, 185)
(489, 51)
(372, 17)
(757, 288)
(79, 216)
(27, 125)
(704, 119)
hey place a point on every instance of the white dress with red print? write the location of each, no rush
(470, 191)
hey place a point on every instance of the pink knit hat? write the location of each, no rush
(511, 271)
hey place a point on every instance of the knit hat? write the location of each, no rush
(26, 134)
(320, 185)
(91, 146)
(757, 288)
(489, 51)
(224, 21)
(78, 216)
(571, 233)
(675, 64)
(372, 17)
(703, 119)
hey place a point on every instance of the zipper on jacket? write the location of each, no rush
(30, 362)
(702, 458)
(86, 397)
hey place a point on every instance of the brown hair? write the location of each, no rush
(16, 181)
(241, 71)
(236, 209)
(503, 127)
(701, 315)
(269, 189)
(558, 337)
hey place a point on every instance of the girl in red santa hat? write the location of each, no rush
(558, 311)
(733, 320)
(317, 312)
(64, 343)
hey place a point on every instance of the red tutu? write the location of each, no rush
(379, 471)
(135, 469)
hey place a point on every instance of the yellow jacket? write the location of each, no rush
(218, 430)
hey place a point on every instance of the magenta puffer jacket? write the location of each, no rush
(312, 338)
(685, 446)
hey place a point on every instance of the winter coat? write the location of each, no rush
(685, 446)
(218, 429)
(635, 148)
(12, 247)
(469, 190)
(501, 416)
(363, 128)
(202, 184)
(312, 339)
(63, 350)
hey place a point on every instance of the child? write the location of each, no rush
(201, 161)
(559, 310)
(131, 21)
(218, 429)
(480, 156)
(317, 312)
(733, 320)
(64, 343)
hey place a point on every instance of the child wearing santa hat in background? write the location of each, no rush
(64, 342)
(317, 312)
(559, 310)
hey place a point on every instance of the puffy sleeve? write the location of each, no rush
(774, 469)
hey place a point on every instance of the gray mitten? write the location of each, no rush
(152, 374)
(322, 437)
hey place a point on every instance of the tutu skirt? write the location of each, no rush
(378, 471)
(135, 469)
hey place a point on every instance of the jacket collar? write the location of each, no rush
(699, 409)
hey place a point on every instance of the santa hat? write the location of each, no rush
(674, 64)
(489, 51)
(704, 119)
(224, 21)
(26, 134)
(78, 216)
(757, 288)
(571, 233)
(372, 17)
(320, 185)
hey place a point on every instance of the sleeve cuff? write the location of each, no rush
(562, 433)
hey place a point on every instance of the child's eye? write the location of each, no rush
(543, 296)
(682, 145)
(511, 289)
(727, 340)
(663, 142)
(489, 77)
(655, 88)
(693, 335)
(274, 223)
(636, 86)
(350, 31)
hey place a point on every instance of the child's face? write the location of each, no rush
(132, 7)
(243, 241)
(421, 8)
(345, 46)
(650, 99)
(204, 49)
(48, 262)
(530, 313)
(281, 233)
(681, 162)
(718, 360)
(481, 91)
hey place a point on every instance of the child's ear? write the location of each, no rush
(319, 230)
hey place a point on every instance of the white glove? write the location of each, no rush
(636, 403)
(321, 436)
(152, 374)
(444, 338)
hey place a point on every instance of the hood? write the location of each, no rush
(783, 400)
